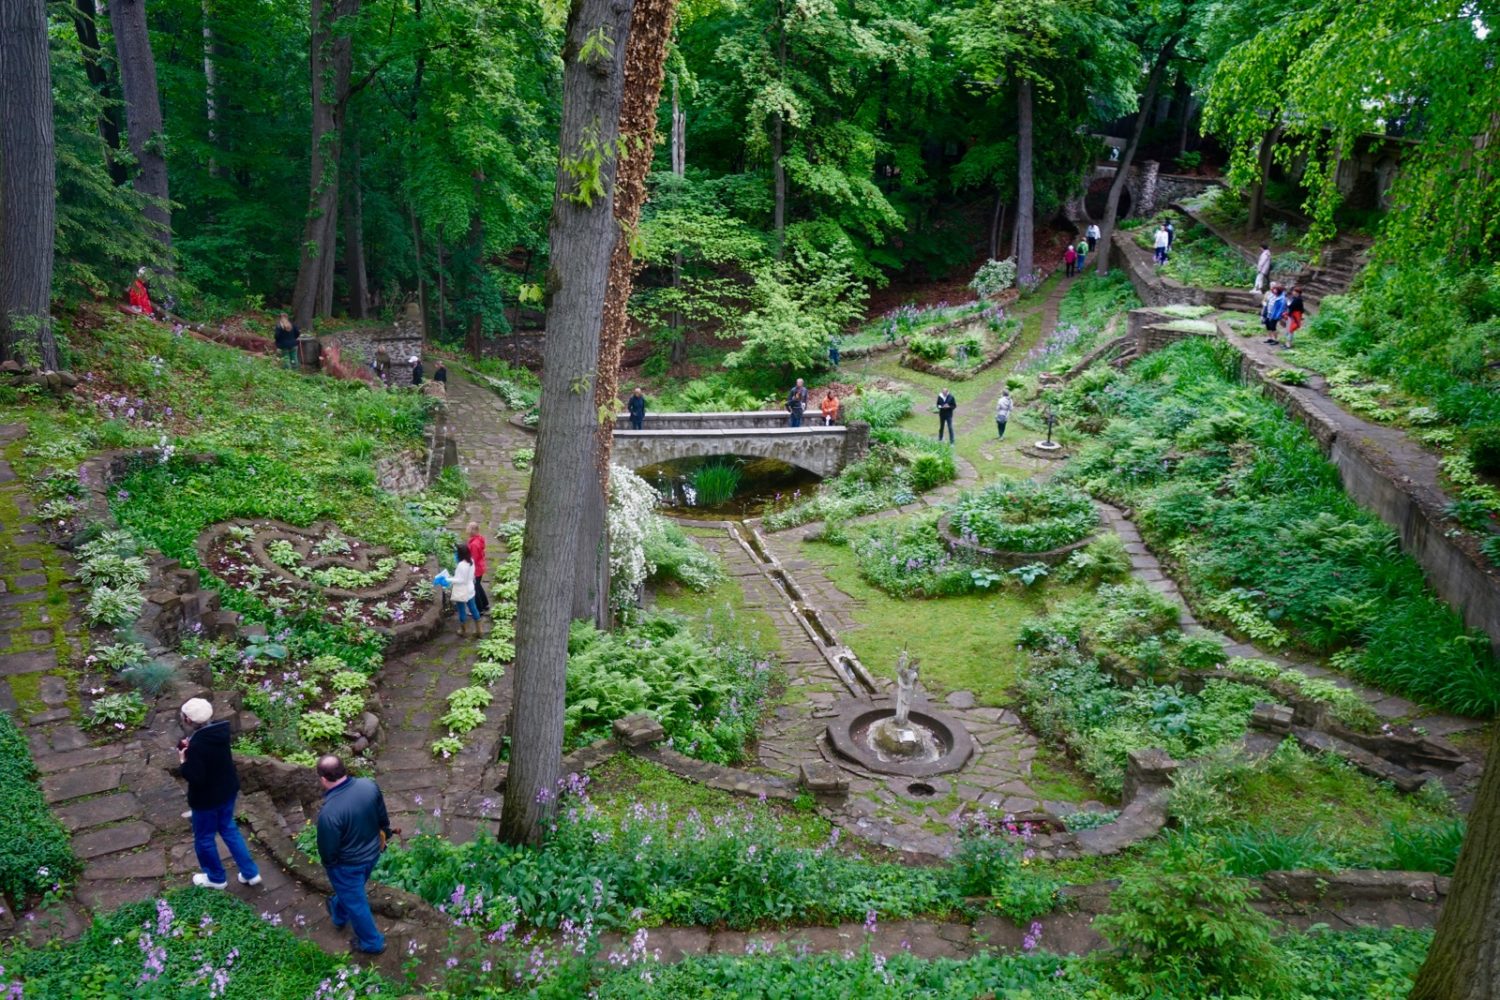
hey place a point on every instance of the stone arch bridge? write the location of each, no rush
(823, 451)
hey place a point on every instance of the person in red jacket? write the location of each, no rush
(476, 552)
(140, 295)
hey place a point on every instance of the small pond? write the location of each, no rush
(707, 488)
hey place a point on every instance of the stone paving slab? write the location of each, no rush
(111, 839)
(98, 811)
(74, 784)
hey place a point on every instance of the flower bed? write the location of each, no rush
(320, 570)
(1021, 521)
(984, 340)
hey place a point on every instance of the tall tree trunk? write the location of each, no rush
(778, 141)
(1464, 960)
(442, 287)
(330, 56)
(27, 184)
(1026, 185)
(210, 88)
(1262, 174)
(143, 124)
(679, 169)
(997, 218)
(1182, 96)
(645, 61)
(474, 274)
(1122, 172)
(416, 245)
(355, 271)
(85, 22)
(583, 231)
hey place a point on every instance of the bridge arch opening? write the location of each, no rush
(763, 483)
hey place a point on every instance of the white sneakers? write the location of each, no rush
(208, 883)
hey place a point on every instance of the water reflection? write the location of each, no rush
(762, 481)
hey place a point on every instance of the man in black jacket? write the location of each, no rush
(637, 408)
(945, 407)
(286, 340)
(213, 785)
(352, 830)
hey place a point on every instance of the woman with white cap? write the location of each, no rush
(213, 786)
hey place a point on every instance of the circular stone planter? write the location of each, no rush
(1001, 559)
(854, 718)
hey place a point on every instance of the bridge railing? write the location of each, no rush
(758, 420)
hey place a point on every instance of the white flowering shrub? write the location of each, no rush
(994, 277)
(631, 521)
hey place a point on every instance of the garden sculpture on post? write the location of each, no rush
(907, 672)
(582, 230)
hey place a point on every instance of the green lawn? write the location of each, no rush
(723, 604)
(966, 642)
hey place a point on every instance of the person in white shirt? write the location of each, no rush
(462, 583)
(1002, 413)
(1263, 268)
(1160, 243)
(1092, 235)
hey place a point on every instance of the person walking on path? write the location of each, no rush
(286, 340)
(1296, 310)
(383, 365)
(833, 351)
(1091, 234)
(1171, 234)
(476, 553)
(946, 404)
(213, 787)
(637, 408)
(1083, 254)
(1159, 242)
(1003, 407)
(830, 408)
(1272, 309)
(462, 583)
(440, 374)
(416, 370)
(1070, 260)
(796, 402)
(353, 828)
(1263, 268)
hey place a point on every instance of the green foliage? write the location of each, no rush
(116, 712)
(880, 410)
(1022, 515)
(707, 693)
(1254, 518)
(678, 557)
(993, 860)
(191, 935)
(993, 277)
(36, 855)
(900, 465)
(1186, 927)
(1201, 259)
(716, 483)
(798, 306)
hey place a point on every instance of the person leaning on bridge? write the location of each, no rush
(830, 408)
(796, 402)
(637, 408)
(353, 828)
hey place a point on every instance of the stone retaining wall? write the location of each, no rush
(1007, 560)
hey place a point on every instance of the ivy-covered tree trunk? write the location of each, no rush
(85, 22)
(1122, 173)
(27, 154)
(679, 169)
(1026, 184)
(778, 142)
(330, 56)
(143, 122)
(645, 63)
(583, 232)
(1464, 960)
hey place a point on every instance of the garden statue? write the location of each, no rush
(1051, 419)
(906, 683)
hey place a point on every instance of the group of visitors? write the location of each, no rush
(796, 405)
(353, 825)
(466, 583)
(1076, 256)
(1278, 309)
(384, 371)
(1161, 242)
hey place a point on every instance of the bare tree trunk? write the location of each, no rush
(1262, 174)
(143, 123)
(645, 61)
(996, 221)
(416, 243)
(1464, 960)
(474, 275)
(27, 180)
(442, 287)
(356, 272)
(1122, 172)
(330, 56)
(1183, 96)
(583, 232)
(85, 22)
(1026, 185)
(778, 141)
(679, 169)
(210, 87)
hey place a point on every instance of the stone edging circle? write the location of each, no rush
(852, 713)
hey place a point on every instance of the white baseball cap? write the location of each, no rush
(197, 711)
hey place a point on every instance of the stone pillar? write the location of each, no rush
(856, 443)
(1146, 203)
(1148, 771)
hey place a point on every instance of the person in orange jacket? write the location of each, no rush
(830, 408)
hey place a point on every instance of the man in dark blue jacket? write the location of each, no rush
(352, 830)
(213, 786)
(637, 408)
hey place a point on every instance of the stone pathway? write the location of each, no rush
(425, 793)
(981, 415)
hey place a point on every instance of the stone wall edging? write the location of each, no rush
(1005, 559)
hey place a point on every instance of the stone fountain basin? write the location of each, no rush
(855, 718)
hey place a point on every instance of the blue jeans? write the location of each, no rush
(218, 821)
(350, 905)
(796, 418)
(467, 606)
